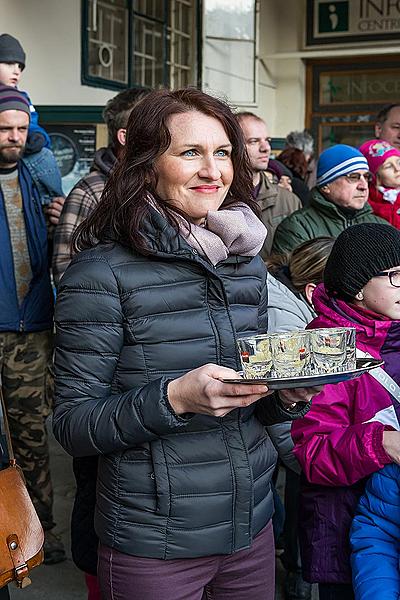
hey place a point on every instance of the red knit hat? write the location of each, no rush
(376, 152)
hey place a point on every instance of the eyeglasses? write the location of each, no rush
(394, 277)
(355, 177)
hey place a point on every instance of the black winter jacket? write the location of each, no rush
(168, 487)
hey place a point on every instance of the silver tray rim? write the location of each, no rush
(366, 364)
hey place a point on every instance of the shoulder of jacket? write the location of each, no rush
(296, 219)
(289, 197)
(94, 270)
(91, 183)
(390, 471)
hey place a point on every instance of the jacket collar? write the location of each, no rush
(322, 205)
(166, 242)
(337, 313)
(104, 160)
(268, 193)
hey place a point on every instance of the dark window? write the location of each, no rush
(150, 43)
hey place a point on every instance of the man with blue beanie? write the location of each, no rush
(339, 199)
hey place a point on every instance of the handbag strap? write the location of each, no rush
(10, 450)
(382, 377)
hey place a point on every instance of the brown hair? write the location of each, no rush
(306, 263)
(124, 204)
(117, 110)
(295, 160)
(383, 114)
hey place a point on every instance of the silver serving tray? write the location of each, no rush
(363, 365)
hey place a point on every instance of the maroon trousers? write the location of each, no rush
(246, 574)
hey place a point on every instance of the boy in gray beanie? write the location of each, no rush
(38, 156)
(12, 63)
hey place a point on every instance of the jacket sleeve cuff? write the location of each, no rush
(184, 417)
(377, 442)
(270, 410)
(156, 413)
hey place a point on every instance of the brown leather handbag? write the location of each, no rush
(21, 534)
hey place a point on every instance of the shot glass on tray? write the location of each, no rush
(290, 353)
(256, 356)
(329, 348)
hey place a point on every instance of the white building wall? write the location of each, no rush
(50, 33)
(281, 93)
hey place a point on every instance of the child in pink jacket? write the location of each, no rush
(384, 187)
(352, 429)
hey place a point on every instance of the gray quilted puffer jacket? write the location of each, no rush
(168, 487)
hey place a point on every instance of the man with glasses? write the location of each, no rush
(275, 201)
(339, 199)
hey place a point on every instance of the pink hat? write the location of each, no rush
(376, 152)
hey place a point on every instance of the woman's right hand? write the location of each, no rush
(202, 391)
(391, 445)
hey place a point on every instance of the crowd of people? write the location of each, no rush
(186, 234)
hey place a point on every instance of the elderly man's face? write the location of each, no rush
(390, 129)
(348, 191)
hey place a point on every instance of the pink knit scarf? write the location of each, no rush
(233, 230)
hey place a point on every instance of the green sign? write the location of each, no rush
(333, 16)
(347, 22)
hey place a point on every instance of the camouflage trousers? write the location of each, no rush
(25, 363)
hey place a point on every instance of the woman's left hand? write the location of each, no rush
(290, 398)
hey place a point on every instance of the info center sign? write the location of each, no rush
(350, 21)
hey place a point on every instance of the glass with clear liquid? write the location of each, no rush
(255, 355)
(290, 353)
(329, 348)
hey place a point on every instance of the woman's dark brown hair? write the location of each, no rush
(124, 203)
(295, 160)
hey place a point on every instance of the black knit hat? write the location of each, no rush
(359, 253)
(11, 50)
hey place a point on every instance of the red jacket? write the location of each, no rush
(384, 208)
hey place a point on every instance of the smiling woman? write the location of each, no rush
(181, 147)
(195, 177)
(147, 319)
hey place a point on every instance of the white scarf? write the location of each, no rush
(389, 194)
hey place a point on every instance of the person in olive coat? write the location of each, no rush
(339, 200)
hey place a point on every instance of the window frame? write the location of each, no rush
(256, 57)
(99, 82)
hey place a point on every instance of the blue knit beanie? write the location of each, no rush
(337, 161)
